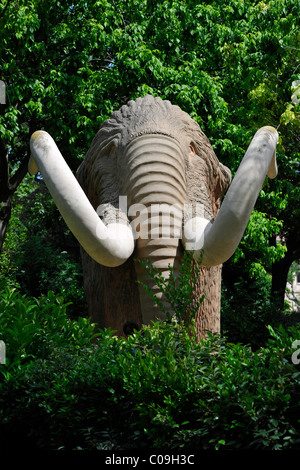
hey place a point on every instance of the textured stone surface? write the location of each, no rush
(151, 152)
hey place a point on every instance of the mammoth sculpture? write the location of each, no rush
(150, 164)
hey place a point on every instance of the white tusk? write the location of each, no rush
(109, 245)
(218, 241)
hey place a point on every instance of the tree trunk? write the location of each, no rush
(8, 186)
(5, 213)
(279, 279)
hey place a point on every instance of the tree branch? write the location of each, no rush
(19, 174)
(8, 185)
(290, 47)
(3, 11)
(4, 183)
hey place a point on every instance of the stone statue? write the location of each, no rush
(149, 187)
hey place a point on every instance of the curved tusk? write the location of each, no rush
(109, 245)
(218, 241)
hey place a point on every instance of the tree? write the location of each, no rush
(44, 65)
(229, 64)
(8, 186)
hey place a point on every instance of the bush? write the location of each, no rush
(158, 389)
(49, 270)
(32, 327)
(177, 289)
(246, 310)
(39, 253)
(65, 388)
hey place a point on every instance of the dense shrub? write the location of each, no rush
(246, 309)
(62, 387)
(156, 389)
(39, 252)
(32, 328)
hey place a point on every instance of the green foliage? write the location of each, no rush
(257, 253)
(35, 327)
(217, 60)
(49, 269)
(158, 389)
(247, 307)
(177, 288)
(39, 253)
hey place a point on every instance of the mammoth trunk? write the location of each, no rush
(156, 192)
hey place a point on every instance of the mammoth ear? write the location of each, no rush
(218, 185)
(218, 176)
(97, 174)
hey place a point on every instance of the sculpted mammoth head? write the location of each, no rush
(150, 187)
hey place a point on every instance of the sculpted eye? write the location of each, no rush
(108, 150)
(112, 149)
(192, 151)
